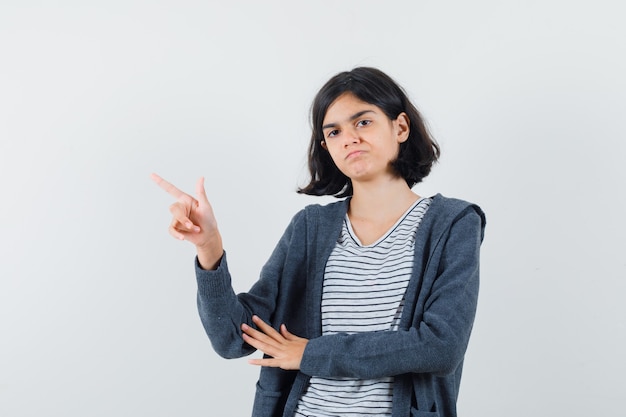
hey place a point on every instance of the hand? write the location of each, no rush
(193, 220)
(285, 349)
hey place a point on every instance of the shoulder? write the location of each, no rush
(322, 212)
(446, 211)
(318, 217)
(336, 208)
(314, 226)
(454, 206)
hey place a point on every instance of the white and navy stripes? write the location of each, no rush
(363, 291)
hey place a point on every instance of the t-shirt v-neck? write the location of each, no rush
(387, 233)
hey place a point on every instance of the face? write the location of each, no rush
(361, 139)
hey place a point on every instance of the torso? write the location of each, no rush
(363, 291)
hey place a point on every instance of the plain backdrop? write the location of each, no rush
(97, 301)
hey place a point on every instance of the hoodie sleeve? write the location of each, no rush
(222, 311)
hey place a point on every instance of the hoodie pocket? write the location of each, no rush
(269, 403)
(418, 413)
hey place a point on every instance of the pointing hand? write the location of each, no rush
(193, 220)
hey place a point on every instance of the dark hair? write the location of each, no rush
(416, 156)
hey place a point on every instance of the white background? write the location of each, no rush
(97, 302)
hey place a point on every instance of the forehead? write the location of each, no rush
(345, 106)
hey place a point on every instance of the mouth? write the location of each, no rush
(353, 154)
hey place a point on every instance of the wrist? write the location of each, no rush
(209, 257)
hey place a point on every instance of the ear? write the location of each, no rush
(403, 127)
(323, 143)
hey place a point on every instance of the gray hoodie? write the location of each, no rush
(425, 355)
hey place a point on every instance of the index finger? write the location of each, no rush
(169, 187)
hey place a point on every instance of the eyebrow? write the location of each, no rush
(351, 118)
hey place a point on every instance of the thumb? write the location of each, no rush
(286, 333)
(200, 193)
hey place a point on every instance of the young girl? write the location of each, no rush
(366, 305)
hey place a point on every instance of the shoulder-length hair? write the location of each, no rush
(416, 155)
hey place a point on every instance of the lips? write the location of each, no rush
(354, 154)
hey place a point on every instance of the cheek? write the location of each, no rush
(338, 163)
(333, 159)
(393, 150)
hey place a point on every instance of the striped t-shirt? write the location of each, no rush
(363, 291)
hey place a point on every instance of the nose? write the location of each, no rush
(350, 137)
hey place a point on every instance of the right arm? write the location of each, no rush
(223, 312)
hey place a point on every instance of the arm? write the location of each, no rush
(222, 311)
(435, 344)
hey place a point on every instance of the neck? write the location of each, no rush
(379, 199)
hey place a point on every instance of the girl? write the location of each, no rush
(366, 305)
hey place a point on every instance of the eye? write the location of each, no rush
(332, 133)
(363, 122)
